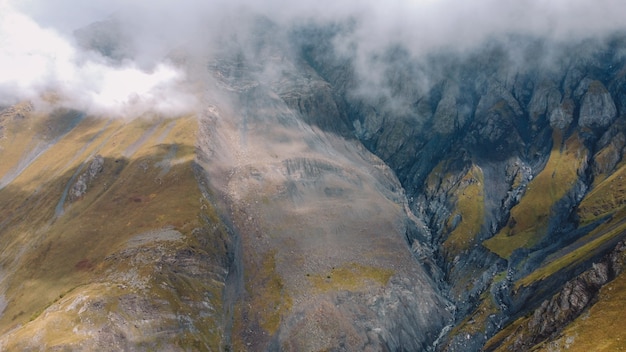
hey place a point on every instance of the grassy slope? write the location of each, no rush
(584, 249)
(51, 258)
(529, 218)
(605, 199)
(18, 137)
(600, 328)
(470, 205)
(607, 196)
(597, 329)
(350, 277)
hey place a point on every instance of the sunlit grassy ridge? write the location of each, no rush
(147, 183)
(529, 219)
(597, 334)
(585, 248)
(607, 196)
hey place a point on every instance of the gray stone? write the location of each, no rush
(597, 107)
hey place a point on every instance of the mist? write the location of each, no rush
(40, 55)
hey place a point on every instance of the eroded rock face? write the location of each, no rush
(544, 101)
(597, 108)
(562, 115)
(324, 256)
(575, 296)
(79, 188)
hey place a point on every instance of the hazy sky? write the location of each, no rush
(38, 53)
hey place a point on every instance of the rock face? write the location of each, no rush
(79, 188)
(597, 108)
(575, 296)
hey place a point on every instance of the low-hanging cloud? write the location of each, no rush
(39, 54)
(40, 64)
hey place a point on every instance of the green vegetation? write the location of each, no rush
(470, 205)
(529, 218)
(591, 243)
(607, 197)
(350, 277)
(267, 297)
(598, 329)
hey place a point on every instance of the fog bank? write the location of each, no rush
(39, 52)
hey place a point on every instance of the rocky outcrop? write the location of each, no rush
(597, 108)
(14, 112)
(562, 115)
(17, 111)
(545, 101)
(576, 295)
(607, 158)
(79, 188)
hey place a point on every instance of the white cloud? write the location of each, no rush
(35, 61)
(37, 52)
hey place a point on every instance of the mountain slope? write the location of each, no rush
(322, 228)
(457, 202)
(107, 241)
(310, 236)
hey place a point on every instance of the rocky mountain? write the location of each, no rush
(461, 201)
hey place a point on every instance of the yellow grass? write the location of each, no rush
(350, 277)
(529, 218)
(54, 259)
(470, 205)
